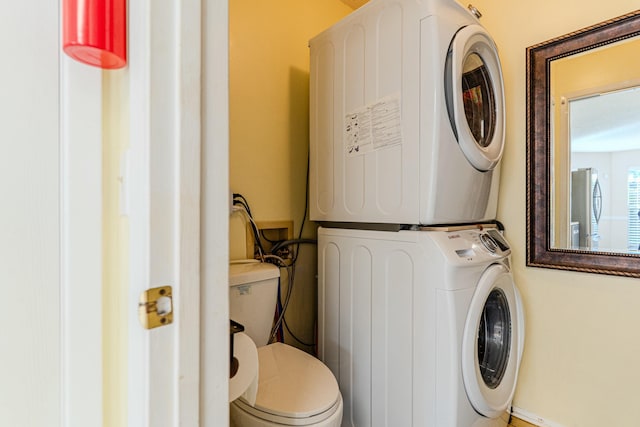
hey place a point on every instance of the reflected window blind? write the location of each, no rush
(633, 203)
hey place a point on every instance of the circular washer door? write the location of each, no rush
(475, 96)
(491, 341)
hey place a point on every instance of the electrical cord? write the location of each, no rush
(243, 201)
(279, 333)
(286, 325)
(243, 205)
(297, 242)
(304, 214)
(290, 280)
(242, 208)
(240, 200)
(283, 243)
(273, 242)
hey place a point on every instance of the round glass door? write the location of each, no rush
(475, 96)
(494, 338)
(478, 99)
(491, 342)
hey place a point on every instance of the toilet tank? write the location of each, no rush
(253, 289)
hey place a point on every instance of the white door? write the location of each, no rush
(50, 255)
(50, 250)
(29, 188)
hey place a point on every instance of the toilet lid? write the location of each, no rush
(292, 383)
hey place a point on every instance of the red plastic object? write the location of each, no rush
(95, 32)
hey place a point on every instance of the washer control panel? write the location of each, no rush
(490, 240)
(473, 245)
(489, 243)
(494, 241)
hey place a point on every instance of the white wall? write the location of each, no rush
(580, 361)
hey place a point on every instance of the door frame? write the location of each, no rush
(164, 189)
(179, 197)
(216, 206)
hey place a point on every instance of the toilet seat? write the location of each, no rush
(294, 388)
(316, 420)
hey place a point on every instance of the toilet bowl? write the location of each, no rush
(294, 388)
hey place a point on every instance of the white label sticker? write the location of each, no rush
(373, 127)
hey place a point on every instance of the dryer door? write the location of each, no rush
(491, 342)
(475, 96)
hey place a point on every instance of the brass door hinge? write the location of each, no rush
(156, 307)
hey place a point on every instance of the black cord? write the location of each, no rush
(286, 325)
(245, 202)
(256, 236)
(298, 242)
(238, 199)
(283, 243)
(273, 242)
(304, 214)
(279, 333)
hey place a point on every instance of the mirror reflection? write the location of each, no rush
(595, 149)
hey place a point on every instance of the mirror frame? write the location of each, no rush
(539, 57)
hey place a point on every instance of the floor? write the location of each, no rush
(516, 422)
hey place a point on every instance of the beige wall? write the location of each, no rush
(269, 125)
(269, 100)
(580, 362)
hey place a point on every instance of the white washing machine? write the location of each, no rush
(420, 328)
(407, 116)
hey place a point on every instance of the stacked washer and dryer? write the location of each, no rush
(419, 318)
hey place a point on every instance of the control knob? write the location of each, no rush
(489, 243)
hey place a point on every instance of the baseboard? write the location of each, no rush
(528, 419)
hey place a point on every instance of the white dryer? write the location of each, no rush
(420, 328)
(407, 116)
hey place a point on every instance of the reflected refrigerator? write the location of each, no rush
(586, 207)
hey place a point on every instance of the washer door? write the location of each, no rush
(491, 343)
(475, 96)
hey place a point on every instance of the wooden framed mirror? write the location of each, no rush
(582, 177)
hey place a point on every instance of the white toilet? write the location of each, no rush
(294, 388)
